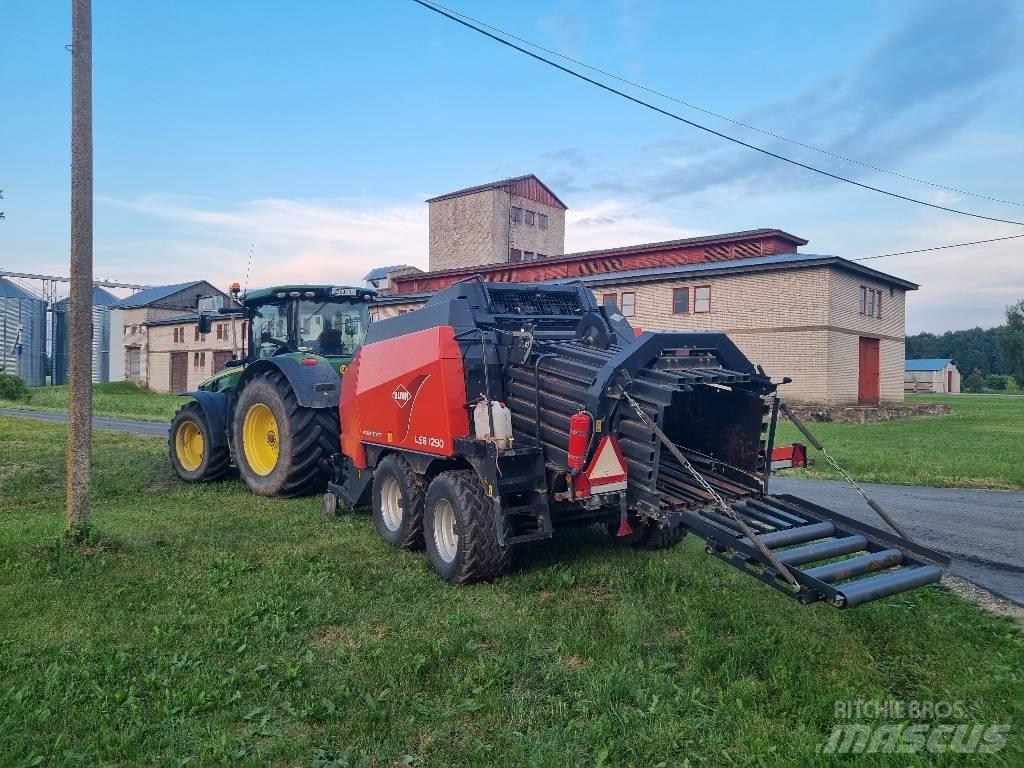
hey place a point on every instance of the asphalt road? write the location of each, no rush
(983, 531)
(99, 422)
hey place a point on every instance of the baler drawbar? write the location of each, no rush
(500, 412)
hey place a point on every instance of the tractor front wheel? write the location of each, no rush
(195, 456)
(279, 444)
(460, 531)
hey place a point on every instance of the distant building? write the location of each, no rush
(837, 327)
(380, 279)
(507, 221)
(932, 375)
(163, 349)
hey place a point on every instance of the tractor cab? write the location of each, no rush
(327, 321)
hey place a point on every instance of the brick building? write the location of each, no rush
(835, 326)
(163, 349)
(511, 220)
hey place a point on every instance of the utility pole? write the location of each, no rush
(80, 332)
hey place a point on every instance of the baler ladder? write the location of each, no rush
(809, 541)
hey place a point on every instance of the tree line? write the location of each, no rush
(984, 355)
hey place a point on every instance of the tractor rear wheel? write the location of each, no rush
(195, 456)
(398, 493)
(648, 535)
(460, 530)
(280, 445)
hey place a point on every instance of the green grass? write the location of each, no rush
(208, 626)
(979, 445)
(119, 399)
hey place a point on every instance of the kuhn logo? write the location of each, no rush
(401, 396)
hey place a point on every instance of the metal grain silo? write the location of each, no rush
(22, 334)
(101, 337)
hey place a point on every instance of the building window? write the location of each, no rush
(609, 300)
(628, 305)
(528, 217)
(529, 255)
(197, 332)
(542, 220)
(514, 254)
(870, 302)
(517, 214)
(680, 301)
(541, 256)
(702, 299)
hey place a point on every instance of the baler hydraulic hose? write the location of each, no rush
(799, 424)
(719, 501)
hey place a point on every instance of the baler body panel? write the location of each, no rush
(409, 392)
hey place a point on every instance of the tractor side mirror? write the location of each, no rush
(205, 323)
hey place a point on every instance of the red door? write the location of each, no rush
(949, 382)
(868, 379)
(179, 372)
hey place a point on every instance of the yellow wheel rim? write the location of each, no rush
(260, 439)
(189, 445)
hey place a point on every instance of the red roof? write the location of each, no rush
(691, 250)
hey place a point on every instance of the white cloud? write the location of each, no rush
(336, 241)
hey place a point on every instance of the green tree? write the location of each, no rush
(1011, 342)
(973, 383)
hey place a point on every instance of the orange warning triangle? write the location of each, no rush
(607, 466)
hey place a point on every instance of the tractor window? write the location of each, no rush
(331, 328)
(269, 329)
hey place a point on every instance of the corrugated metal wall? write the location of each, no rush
(27, 359)
(101, 335)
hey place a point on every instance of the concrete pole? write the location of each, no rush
(80, 309)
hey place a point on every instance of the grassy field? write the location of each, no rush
(119, 399)
(207, 626)
(979, 445)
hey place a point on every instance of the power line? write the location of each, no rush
(706, 129)
(939, 247)
(720, 116)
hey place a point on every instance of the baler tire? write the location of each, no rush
(649, 537)
(411, 488)
(215, 461)
(305, 438)
(478, 556)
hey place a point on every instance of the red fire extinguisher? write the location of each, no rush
(579, 439)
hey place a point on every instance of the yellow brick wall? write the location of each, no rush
(470, 230)
(156, 362)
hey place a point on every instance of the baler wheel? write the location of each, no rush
(460, 529)
(646, 536)
(194, 455)
(398, 493)
(279, 444)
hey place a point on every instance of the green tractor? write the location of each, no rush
(273, 413)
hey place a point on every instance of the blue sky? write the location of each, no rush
(316, 130)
